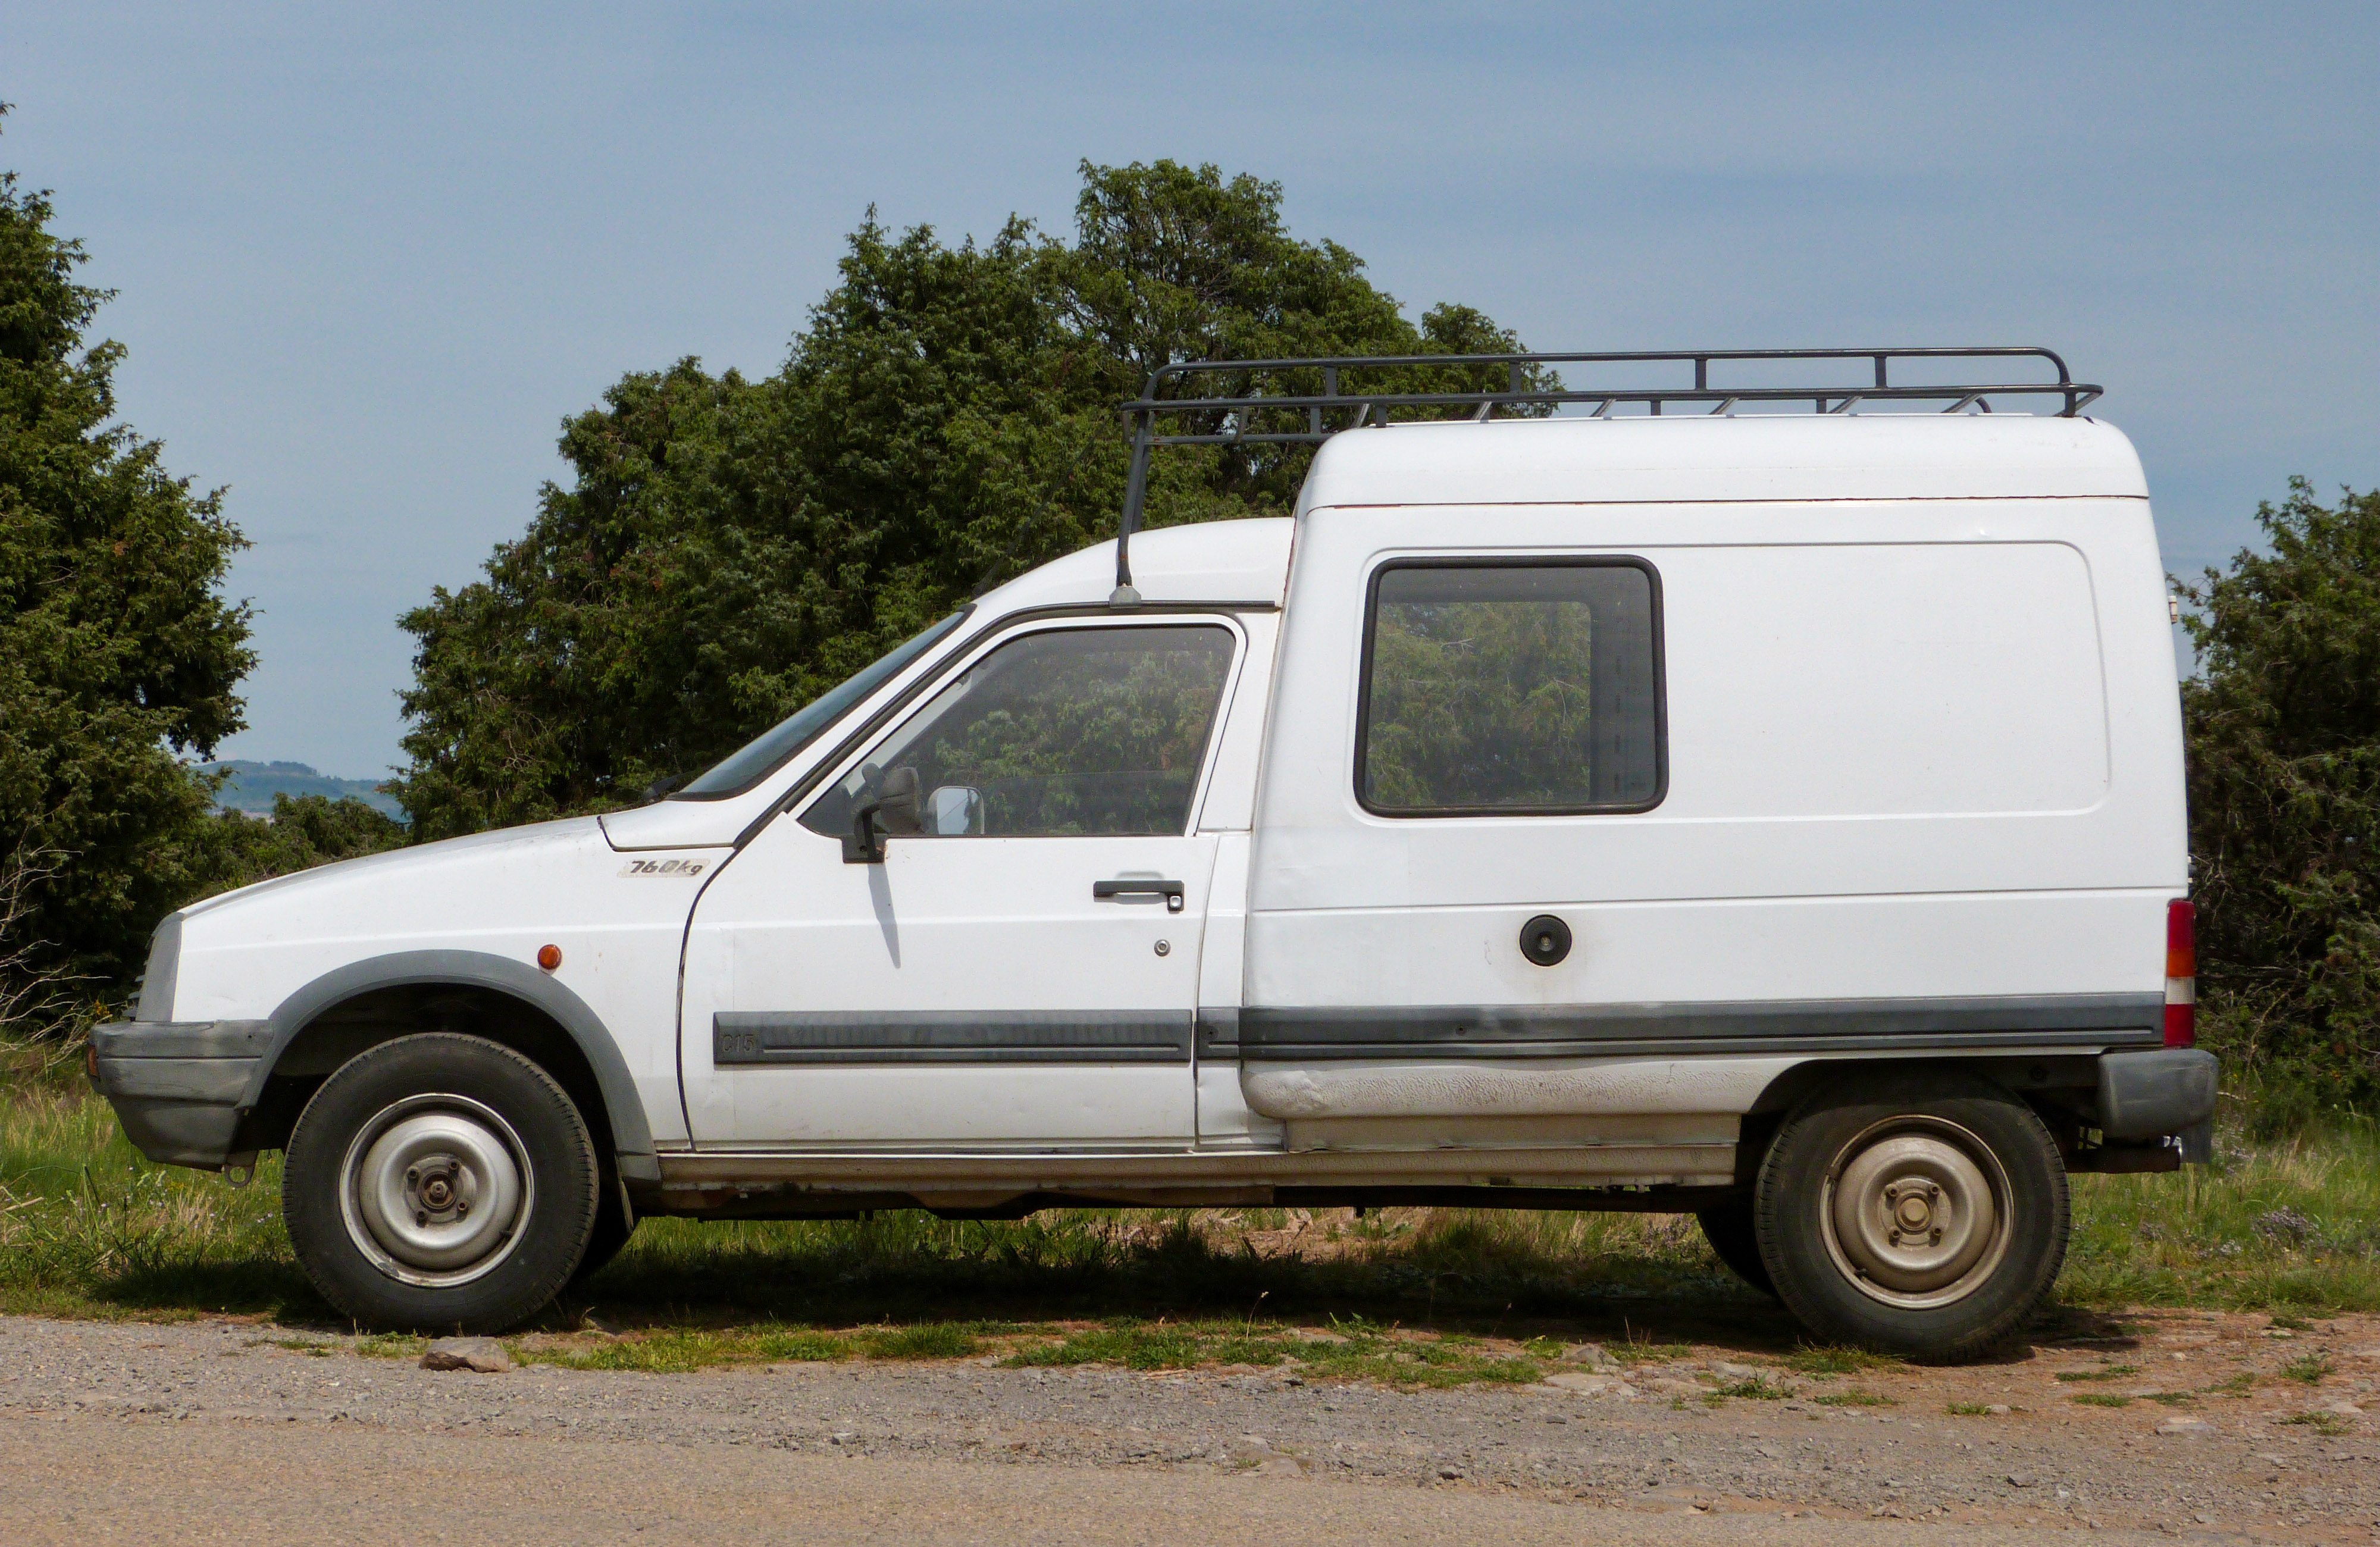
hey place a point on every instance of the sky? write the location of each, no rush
(369, 258)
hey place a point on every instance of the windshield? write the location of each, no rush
(764, 754)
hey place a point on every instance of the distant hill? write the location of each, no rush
(252, 786)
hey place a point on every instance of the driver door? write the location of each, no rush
(1021, 967)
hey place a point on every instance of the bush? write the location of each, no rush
(2283, 723)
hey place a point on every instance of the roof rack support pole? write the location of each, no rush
(1879, 371)
(1702, 372)
(1136, 496)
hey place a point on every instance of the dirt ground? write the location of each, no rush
(2170, 1426)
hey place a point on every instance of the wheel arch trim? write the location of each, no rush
(632, 1139)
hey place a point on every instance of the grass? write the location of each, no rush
(2291, 1228)
(2329, 1425)
(2310, 1369)
(1968, 1410)
(2110, 1372)
(1758, 1389)
(2102, 1399)
(1854, 1399)
(1413, 1296)
(1824, 1363)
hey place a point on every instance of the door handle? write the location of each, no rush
(1169, 890)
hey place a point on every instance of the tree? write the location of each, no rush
(729, 548)
(304, 830)
(116, 650)
(2283, 723)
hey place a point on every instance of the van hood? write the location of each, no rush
(502, 849)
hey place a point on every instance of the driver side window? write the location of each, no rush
(1066, 732)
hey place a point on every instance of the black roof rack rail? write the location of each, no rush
(1254, 418)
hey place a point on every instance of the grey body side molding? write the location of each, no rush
(632, 1137)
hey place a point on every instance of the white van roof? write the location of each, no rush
(1644, 459)
(1701, 458)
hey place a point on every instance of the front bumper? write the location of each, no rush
(179, 1087)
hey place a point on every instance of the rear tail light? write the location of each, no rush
(2180, 973)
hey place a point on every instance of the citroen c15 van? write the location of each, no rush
(1772, 817)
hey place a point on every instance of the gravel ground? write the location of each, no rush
(131, 1432)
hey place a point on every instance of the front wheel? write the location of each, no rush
(1923, 1215)
(439, 1182)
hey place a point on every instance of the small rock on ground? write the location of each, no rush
(483, 1353)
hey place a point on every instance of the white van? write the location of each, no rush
(1777, 818)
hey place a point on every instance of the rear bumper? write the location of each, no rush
(2161, 1091)
(179, 1088)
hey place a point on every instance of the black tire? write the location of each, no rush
(613, 1228)
(1922, 1214)
(1735, 1242)
(438, 1123)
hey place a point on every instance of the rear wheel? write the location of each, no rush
(439, 1182)
(1924, 1215)
(1733, 1240)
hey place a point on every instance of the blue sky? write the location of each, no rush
(370, 258)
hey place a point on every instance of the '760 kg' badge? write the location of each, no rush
(680, 868)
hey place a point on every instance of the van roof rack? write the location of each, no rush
(1252, 417)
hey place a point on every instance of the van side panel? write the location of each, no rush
(1924, 776)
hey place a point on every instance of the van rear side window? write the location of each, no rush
(1506, 688)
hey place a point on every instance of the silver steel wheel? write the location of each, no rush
(436, 1191)
(1917, 1211)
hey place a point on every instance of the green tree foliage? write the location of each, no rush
(116, 650)
(729, 548)
(306, 831)
(2284, 736)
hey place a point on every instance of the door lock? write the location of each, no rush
(1544, 940)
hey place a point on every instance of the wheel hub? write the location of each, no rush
(436, 1189)
(1918, 1211)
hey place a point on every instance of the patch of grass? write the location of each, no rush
(2242, 1385)
(676, 1352)
(921, 1340)
(1758, 1389)
(1132, 1345)
(1826, 1362)
(2110, 1372)
(1968, 1410)
(1360, 1354)
(2329, 1425)
(392, 1345)
(2286, 1227)
(2309, 1368)
(1854, 1399)
(2173, 1398)
(2101, 1399)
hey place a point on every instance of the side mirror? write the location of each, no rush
(954, 811)
(894, 809)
